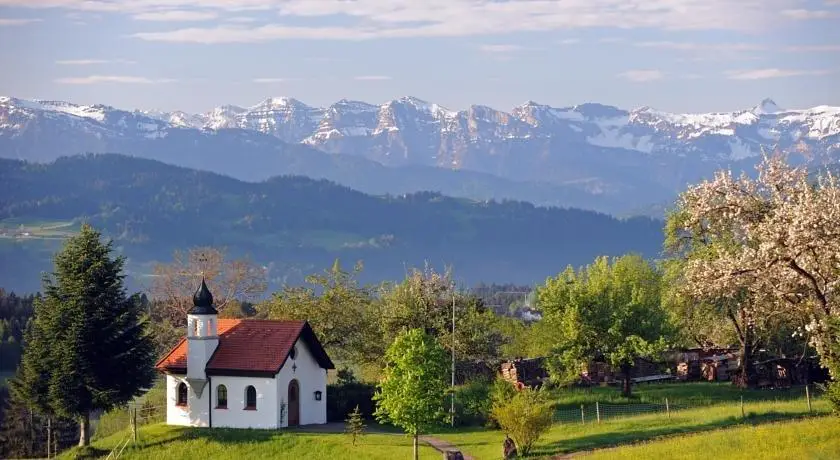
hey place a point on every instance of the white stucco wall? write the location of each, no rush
(196, 413)
(310, 377)
(271, 394)
(235, 416)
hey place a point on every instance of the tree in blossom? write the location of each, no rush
(771, 244)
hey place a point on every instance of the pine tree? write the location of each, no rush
(355, 424)
(88, 347)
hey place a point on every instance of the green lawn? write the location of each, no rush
(575, 436)
(817, 438)
(174, 443)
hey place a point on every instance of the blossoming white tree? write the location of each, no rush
(774, 240)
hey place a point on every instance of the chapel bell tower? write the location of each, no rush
(202, 338)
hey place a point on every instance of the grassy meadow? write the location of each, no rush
(815, 439)
(715, 406)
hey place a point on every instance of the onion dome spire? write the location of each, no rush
(203, 301)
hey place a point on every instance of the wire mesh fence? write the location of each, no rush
(803, 400)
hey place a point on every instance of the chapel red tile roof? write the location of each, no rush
(249, 347)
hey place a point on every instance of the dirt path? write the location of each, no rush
(337, 427)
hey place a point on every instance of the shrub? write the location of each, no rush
(832, 393)
(342, 398)
(525, 417)
(502, 391)
(473, 403)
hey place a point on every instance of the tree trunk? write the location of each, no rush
(416, 450)
(84, 430)
(746, 371)
(626, 388)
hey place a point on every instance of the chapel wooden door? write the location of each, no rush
(294, 403)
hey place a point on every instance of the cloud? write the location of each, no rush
(802, 15)
(715, 49)
(761, 74)
(124, 79)
(241, 19)
(693, 46)
(641, 76)
(377, 19)
(568, 41)
(271, 80)
(499, 49)
(176, 16)
(372, 78)
(17, 21)
(814, 48)
(94, 61)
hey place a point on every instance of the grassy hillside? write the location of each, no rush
(625, 421)
(177, 443)
(814, 439)
(292, 224)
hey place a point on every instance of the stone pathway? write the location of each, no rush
(337, 427)
(442, 446)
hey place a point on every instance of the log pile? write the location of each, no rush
(597, 373)
(528, 372)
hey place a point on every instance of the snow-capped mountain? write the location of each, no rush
(598, 148)
(424, 133)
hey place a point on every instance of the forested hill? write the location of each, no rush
(294, 225)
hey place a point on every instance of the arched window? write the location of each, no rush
(250, 398)
(195, 328)
(182, 394)
(221, 397)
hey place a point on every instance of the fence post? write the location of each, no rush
(134, 423)
(743, 414)
(582, 416)
(668, 408)
(49, 435)
(808, 397)
(598, 411)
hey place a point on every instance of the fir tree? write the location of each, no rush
(88, 347)
(355, 424)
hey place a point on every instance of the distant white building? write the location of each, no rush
(244, 373)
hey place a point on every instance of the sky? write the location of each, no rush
(193, 55)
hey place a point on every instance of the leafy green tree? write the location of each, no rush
(424, 299)
(414, 384)
(339, 308)
(525, 417)
(608, 310)
(88, 347)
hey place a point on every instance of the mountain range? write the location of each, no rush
(293, 226)
(589, 156)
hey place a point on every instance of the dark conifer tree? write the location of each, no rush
(88, 346)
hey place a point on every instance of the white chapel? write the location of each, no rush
(244, 373)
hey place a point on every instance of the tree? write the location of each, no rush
(88, 347)
(338, 306)
(414, 384)
(424, 299)
(355, 424)
(607, 310)
(525, 417)
(783, 235)
(174, 283)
